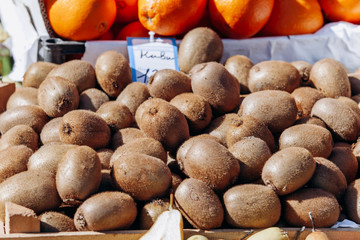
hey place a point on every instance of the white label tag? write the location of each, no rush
(147, 57)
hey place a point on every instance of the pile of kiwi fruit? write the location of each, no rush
(238, 144)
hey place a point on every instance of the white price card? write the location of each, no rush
(148, 55)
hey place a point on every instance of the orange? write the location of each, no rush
(126, 11)
(239, 18)
(133, 29)
(170, 17)
(341, 10)
(109, 35)
(293, 17)
(80, 20)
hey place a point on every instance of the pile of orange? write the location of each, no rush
(117, 19)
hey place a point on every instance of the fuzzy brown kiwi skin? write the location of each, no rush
(219, 87)
(83, 179)
(133, 95)
(27, 187)
(330, 77)
(239, 66)
(168, 125)
(50, 131)
(13, 160)
(36, 73)
(84, 127)
(20, 135)
(116, 115)
(288, 170)
(31, 115)
(113, 72)
(125, 135)
(304, 69)
(196, 110)
(192, 193)
(52, 221)
(212, 163)
(57, 96)
(251, 206)
(92, 99)
(297, 205)
(110, 210)
(146, 177)
(80, 72)
(199, 45)
(23, 96)
(168, 83)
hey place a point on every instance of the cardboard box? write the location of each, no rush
(219, 234)
(6, 89)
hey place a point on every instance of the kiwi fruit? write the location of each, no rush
(288, 170)
(125, 135)
(328, 177)
(351, 201)
(57, 96)
(239, 66)
(31, 115)
(199, 204)
(116, 115)
(185, 146)
(142, 176)
(316, 139)
(330, 77)
(92, 98)
(84, 127)
(211, 162)
(354, 79)
(34, 189)
(323, 206)
(52, 221)
(247, 126)
(105, 156)
(305, 98)
(78, 174)
(251, 206)
(48, 156)
(20, 135)
(304, 69)
(276, 108)
(113, 72)
(13, 160)
(106, 211)
(351, 103)
(23, 96)
(310, 120)
(143, 107)
(338, 117)
(219, 126)
(163, 122)
(344, 158)
(199, 45)
(273, 75)
(196, 110)
(50, 132)
(167, 83)
(252, 153)
(217, 85)
(133, 95)
(36, 73)
(151, 210)
(146, 145)
(79, 72)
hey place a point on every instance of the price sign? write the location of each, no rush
(148, 56)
